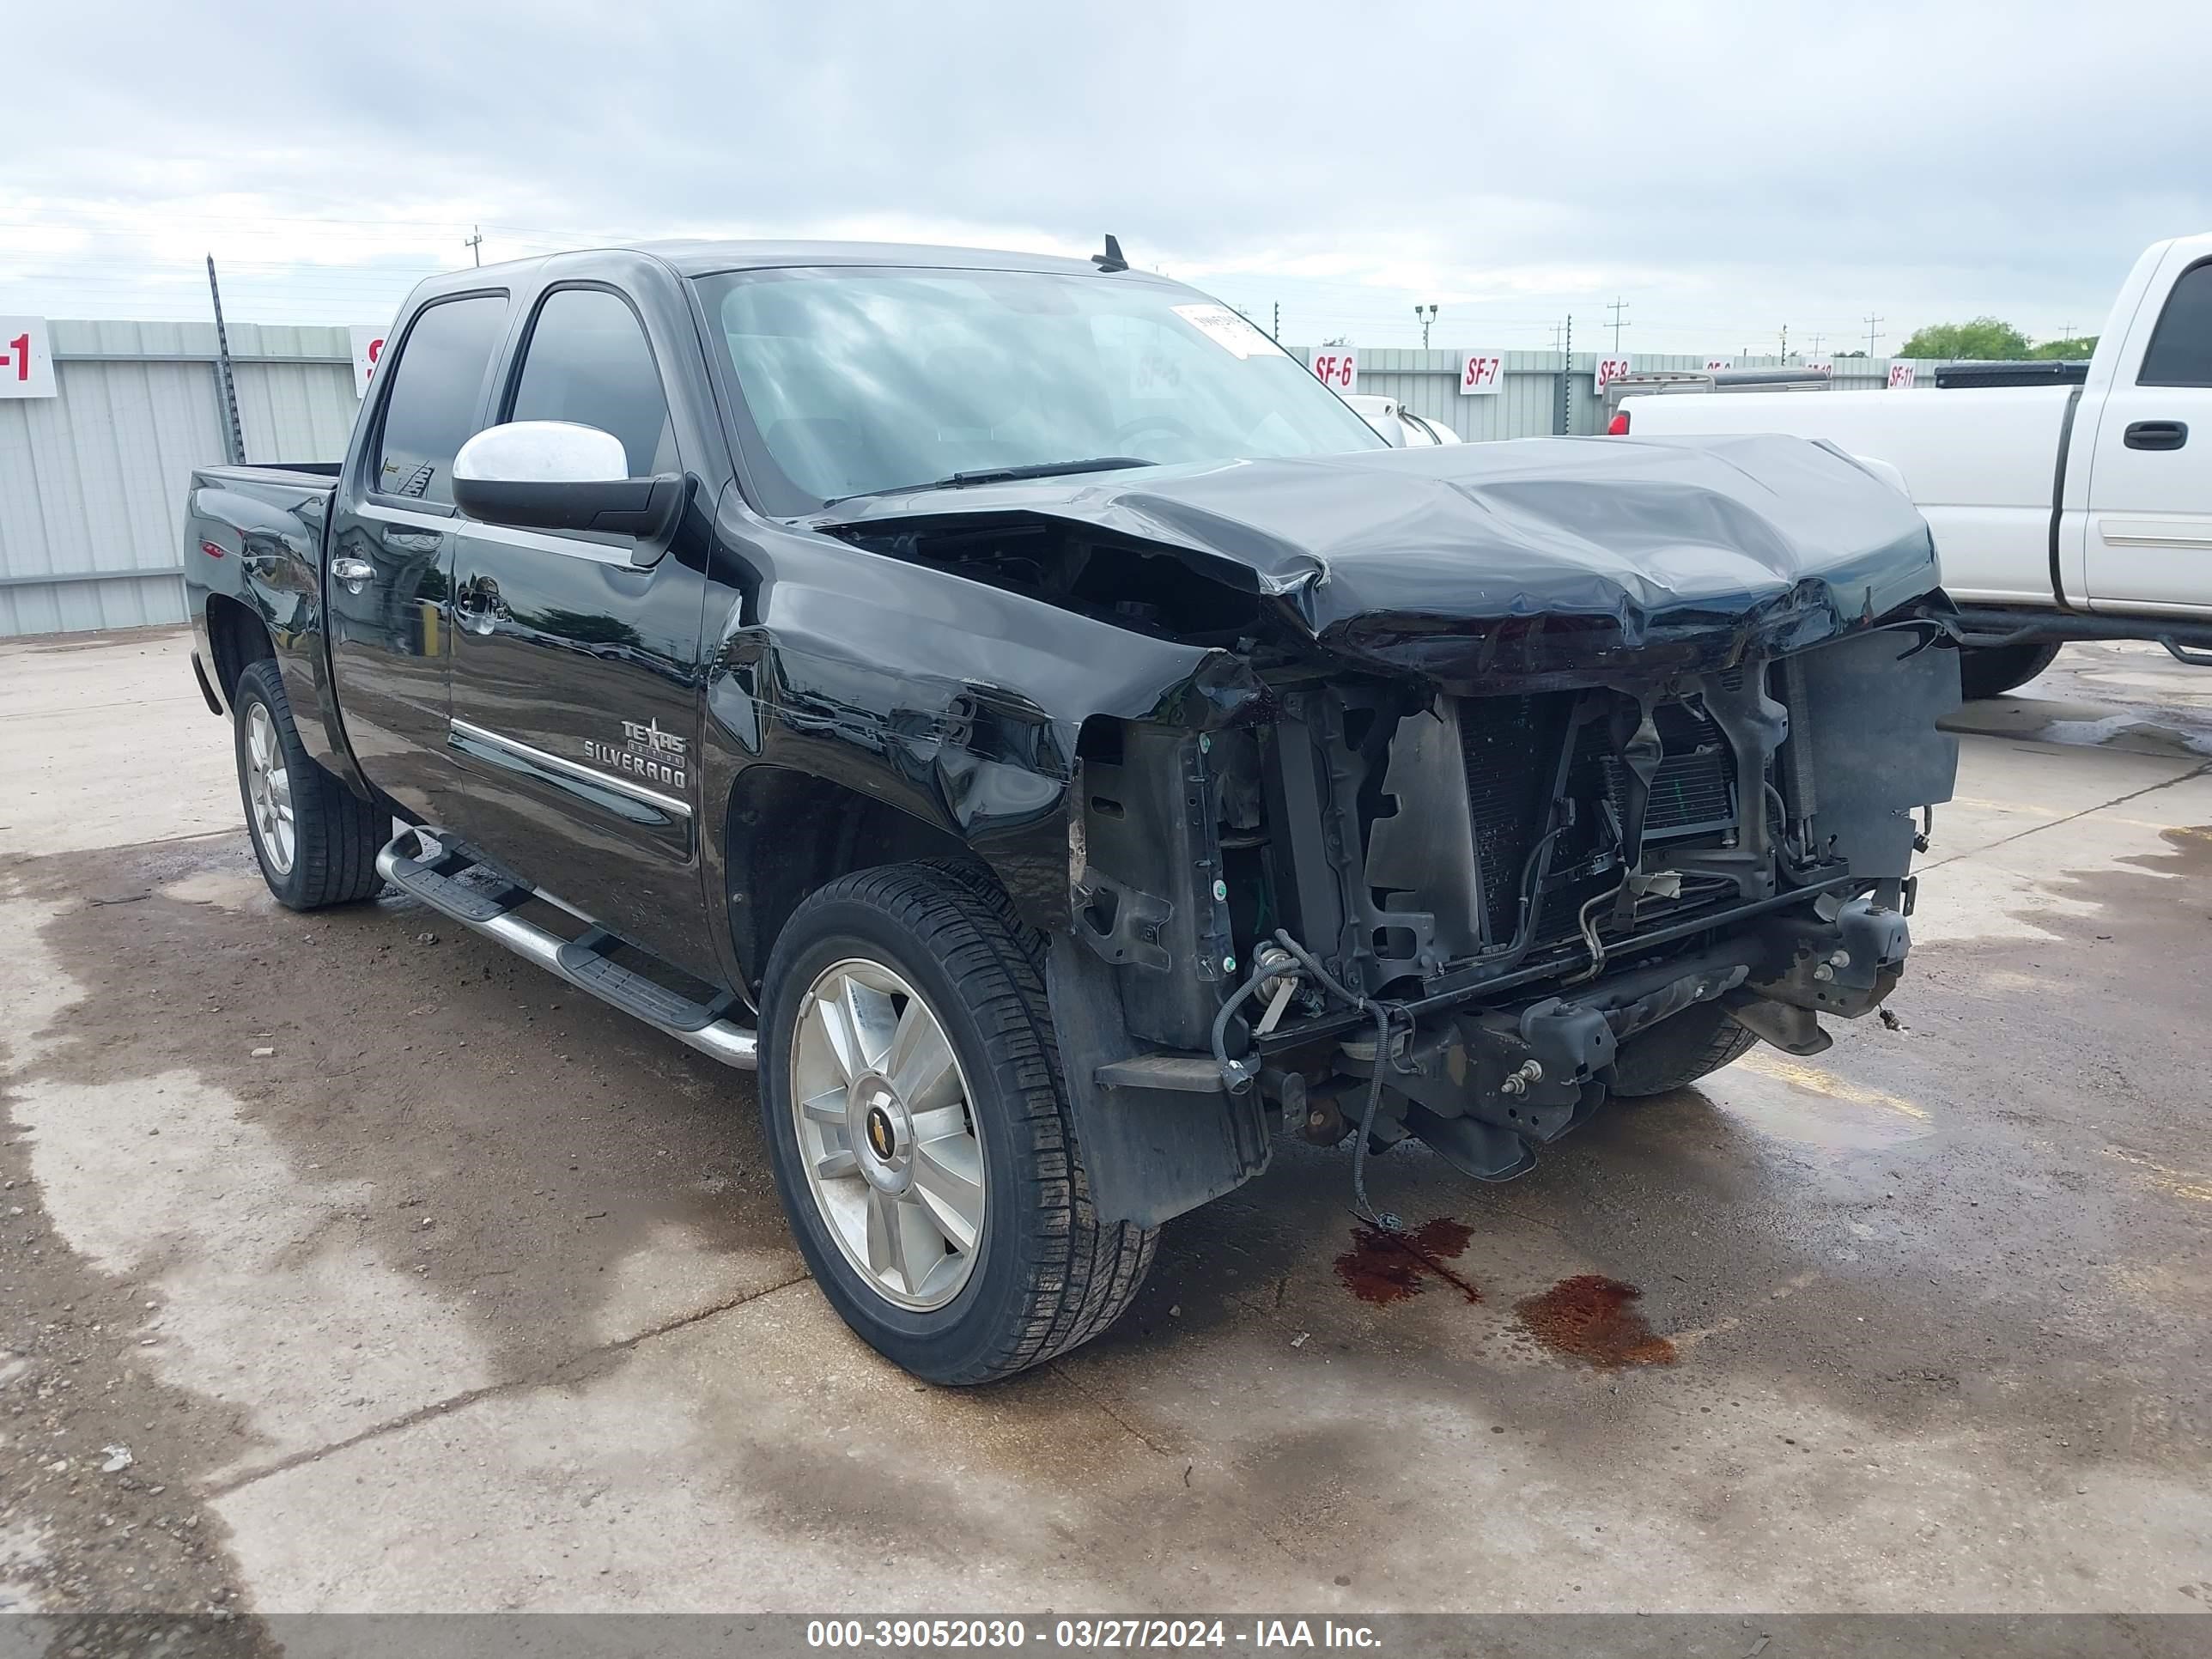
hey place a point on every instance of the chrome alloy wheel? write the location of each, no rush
(269, 789)
(886, 1133)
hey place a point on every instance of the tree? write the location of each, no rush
(2079, 347)
(1985, 339)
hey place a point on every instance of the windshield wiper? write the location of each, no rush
(1005, 474)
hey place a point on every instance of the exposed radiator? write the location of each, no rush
(1693, 792)
(1512, 748)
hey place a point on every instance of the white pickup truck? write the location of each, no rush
(2060, 511)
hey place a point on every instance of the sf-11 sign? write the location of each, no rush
(1900, 376)
(27, 359)
(1336, 368)
(1481, 375)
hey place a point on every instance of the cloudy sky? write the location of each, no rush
(1725, 169)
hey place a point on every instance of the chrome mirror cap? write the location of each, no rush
(542, 452)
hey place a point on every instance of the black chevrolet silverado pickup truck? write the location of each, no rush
(1012, 703)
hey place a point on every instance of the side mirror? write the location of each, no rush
(556, 475)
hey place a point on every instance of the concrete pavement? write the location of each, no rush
(469, 1294)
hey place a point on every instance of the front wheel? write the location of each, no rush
(1992, 670)
(316, 842)
(1678, 1051)
(911, 1096)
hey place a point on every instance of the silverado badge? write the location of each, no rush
(645, 752)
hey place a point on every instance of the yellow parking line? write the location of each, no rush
(1783, 1069)
(2181, 1183)
(2007, 807)
(1788, 1288)
(2096, 812)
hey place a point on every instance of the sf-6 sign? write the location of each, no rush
(1481, 375)
(27, 361)
(368, 351)
(1336, 368)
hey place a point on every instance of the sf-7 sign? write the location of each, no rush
(1481, 375)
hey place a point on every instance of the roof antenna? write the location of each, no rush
(1111, 260)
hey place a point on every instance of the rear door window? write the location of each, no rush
(436, 388)
(2180, 350)
(588, 362)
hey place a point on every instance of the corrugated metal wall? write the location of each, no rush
(91, 481)
(1427, 382)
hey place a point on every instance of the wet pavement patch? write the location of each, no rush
(1383, 1268)
(1594, 1319)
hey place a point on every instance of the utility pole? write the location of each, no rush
(1426, 315)
(474, 242)
(1276, 333)
(1563, 400)
(1873, 323)
(1817, 338)
(1785, 342)
(236, 434)
(1616, 307)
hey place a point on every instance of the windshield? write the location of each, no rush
(865, 380)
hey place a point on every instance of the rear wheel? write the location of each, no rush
(1992, 670)
(911, 1095)
(1677, 1052)
(317, 842)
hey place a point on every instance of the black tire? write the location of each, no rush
(1677, 1052)
(335, 836)
(1047, 1274)
(1992, 670)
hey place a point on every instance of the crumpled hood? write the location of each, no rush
(1542, 559)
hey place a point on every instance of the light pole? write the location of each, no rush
(1427, 314)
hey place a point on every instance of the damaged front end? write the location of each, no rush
(1497, 801)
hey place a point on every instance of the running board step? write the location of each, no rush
(417, 862)
(589, 961)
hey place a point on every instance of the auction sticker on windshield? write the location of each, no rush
(1227, 330)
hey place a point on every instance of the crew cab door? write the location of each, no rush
(2149, 533)
(575, 656)
(388, 585)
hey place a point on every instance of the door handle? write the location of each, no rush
(477, 603)
(355, 573)
(2156, 434)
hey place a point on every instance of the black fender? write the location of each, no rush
(269, 531)
(954, 704)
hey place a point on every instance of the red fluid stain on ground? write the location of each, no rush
(1385, 1268)
(1594, 1319)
